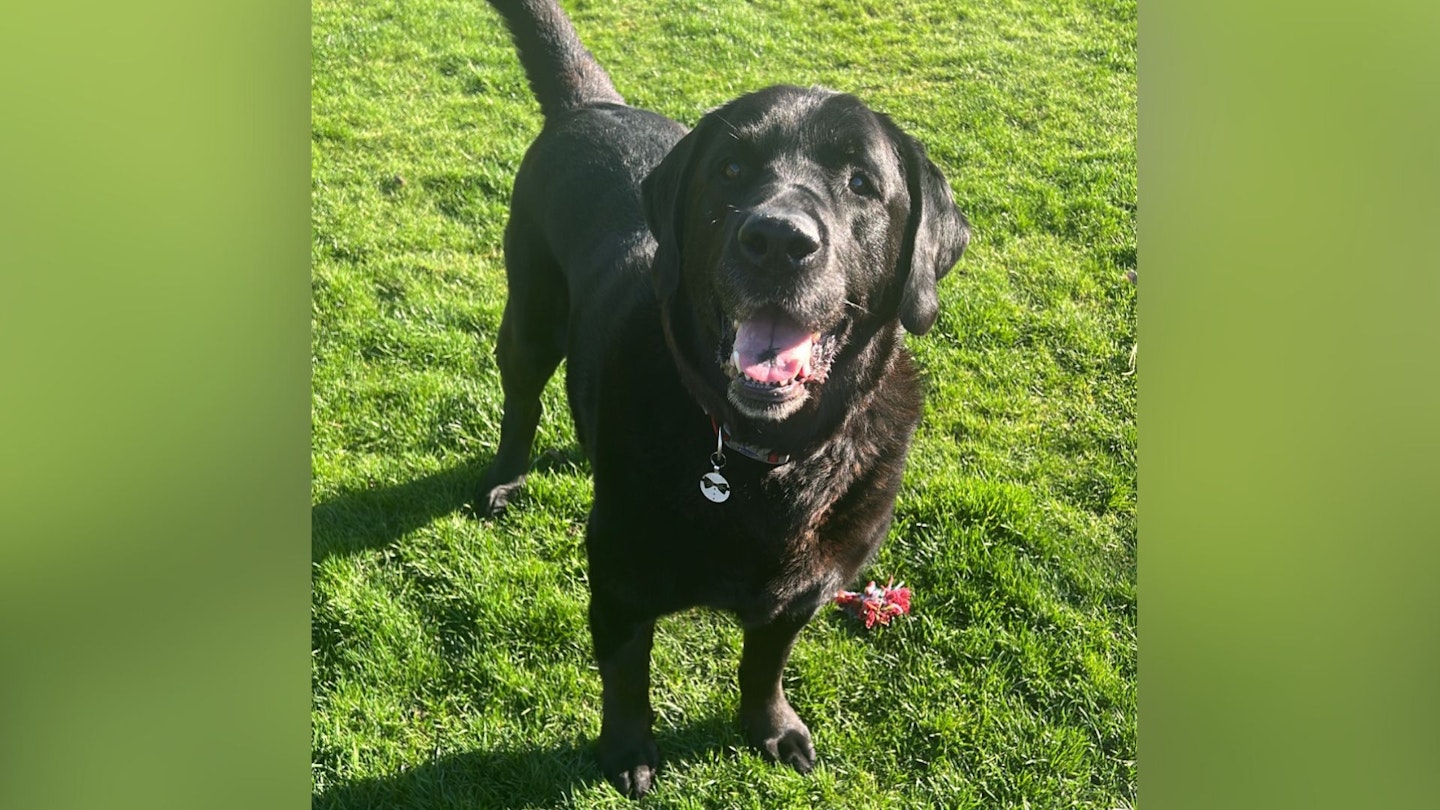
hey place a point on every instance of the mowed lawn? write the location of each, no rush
(451, 663)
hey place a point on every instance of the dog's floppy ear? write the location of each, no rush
(936, 233)
(663, 193)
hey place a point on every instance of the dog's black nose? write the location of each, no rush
(780, 239)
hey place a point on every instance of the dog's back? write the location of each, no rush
(577, 190)
(577, 247)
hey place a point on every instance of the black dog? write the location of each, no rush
(731, 303)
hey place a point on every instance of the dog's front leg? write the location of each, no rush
(626, 749)
(770, 725)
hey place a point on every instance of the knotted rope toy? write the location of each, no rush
(875, 605)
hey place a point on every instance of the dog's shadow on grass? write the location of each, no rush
(374, 517)
(520, 776)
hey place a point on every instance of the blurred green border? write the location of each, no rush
(1288, 483)
(154, 325)
(154, 311)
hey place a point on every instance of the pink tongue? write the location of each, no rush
(772, 348)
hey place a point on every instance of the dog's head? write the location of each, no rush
(793, 225)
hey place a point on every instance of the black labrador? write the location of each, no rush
(731, 302)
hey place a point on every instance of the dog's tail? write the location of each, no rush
(562, 73)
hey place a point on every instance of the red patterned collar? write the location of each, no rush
(765, 455)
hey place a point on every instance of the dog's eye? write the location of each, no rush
(731, 169)
(860, 183)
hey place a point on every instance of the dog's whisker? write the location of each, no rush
(730, 129)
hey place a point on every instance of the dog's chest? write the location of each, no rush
(768, 543)
(759, 551)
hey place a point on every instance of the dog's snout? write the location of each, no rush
(770, 238)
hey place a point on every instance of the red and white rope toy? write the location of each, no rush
(876, 604)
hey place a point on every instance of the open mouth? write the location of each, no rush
(771, 358)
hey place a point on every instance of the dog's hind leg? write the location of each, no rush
(530, 345)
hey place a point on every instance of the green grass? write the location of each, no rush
(451, 663)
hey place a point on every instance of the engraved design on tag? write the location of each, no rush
(714, 486)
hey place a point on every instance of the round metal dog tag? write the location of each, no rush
(714, 486)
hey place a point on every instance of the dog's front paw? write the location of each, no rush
(780, 736)
(629, 762)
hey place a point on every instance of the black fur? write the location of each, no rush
(635, 248)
